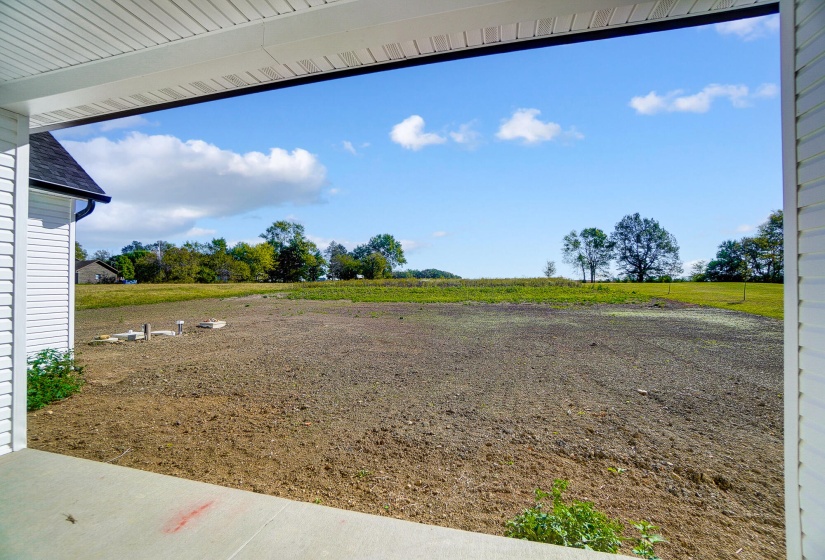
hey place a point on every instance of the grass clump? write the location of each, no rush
(52, 375)
(577, 525)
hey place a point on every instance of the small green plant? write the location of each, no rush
(646, 540)
(363, 473)
(52, 375)
(616, 470)
(577, 525)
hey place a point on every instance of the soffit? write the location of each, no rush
(69, 61)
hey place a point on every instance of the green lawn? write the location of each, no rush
(92, 296)
(762, 299)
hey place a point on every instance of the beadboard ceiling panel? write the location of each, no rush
(67, 61)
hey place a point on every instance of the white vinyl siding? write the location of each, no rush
(804, 45)
(14, 178)
(50, 270)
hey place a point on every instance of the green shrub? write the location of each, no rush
(52, 375)
(577, 525)
(646, 541)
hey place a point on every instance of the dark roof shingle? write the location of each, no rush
(51, 167)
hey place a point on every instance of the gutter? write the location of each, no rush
(90, 207)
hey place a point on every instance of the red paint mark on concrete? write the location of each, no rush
(181, 519)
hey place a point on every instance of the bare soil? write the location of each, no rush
(450, 414)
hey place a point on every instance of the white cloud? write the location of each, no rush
(440, 234)
(676, 102)
(161, 186)
(766, 91)
(411, 246)
(200, 232)
(751, 28)
(347, 145)
(745, 228)
(410, 134)
(523, 125)
(466, 135)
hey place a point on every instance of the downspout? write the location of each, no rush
(90, 207)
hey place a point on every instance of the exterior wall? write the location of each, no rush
(803, 62)
(14, 181)
(49, 277)
(89, 274)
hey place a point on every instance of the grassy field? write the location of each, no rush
(94, 296)
(762, 299)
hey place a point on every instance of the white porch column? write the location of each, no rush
(14, 203)
(803, 130)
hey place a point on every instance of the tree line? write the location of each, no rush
(642, 248)
(284, 255)
(760, 258)
(644, 251)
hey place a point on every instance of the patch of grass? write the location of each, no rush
(94, 296)
(761, 299)
(577, 525)
(507, 290)
(52, 375)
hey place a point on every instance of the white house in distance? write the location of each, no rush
(64, 63)
(57, 183)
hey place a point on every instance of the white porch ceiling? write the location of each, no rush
(66, 61)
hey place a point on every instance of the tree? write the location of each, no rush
(180, 264)
(385, 245)
(644, 248)
(124, 266)
(761, 257)
(550, 269)
(296, 257)
(102, 255)
(147, 268)
(573, 254)
(697, 271)
(259, 258)
(374, 266)
(80, 253)
(598, 251)
(728, 264)
(333, 251)
(133, 247)
(346, 266)
(770, 237)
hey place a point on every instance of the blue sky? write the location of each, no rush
(479, 166)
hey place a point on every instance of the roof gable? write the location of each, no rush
(52, 168)
(84, 264)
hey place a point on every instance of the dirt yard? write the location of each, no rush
(450, 414)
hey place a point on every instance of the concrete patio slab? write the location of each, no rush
(54, 506)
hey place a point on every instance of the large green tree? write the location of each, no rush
(385, 245)
(334, 252)
(644, 249)
(573, 253)
(80, 253)
(761, 256)
(296, 257)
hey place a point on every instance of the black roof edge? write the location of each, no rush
(755, 10)
(77, 193)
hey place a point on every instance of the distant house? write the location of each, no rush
(94, 272)
(57, 185)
